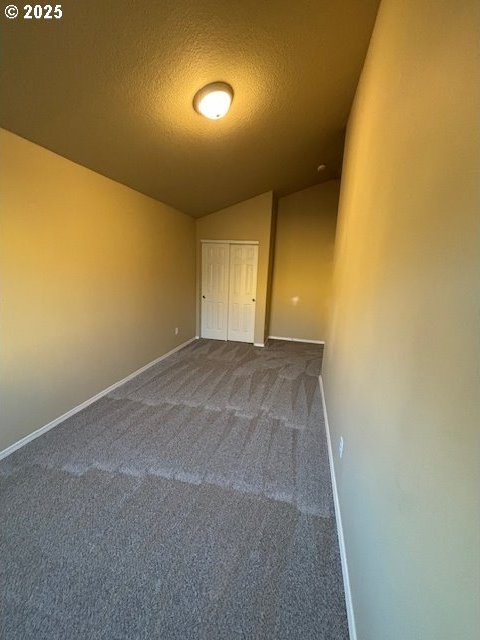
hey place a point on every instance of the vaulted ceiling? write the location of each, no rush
(110, 86)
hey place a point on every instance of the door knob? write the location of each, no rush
(253, 299)
(203, 297)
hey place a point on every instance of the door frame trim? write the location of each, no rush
(231, 241)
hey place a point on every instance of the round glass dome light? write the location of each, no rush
(213, 101)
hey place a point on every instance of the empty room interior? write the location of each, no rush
(240, 320)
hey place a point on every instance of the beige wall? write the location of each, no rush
(94, 279)
(402, 367)
(302, 272)
(248, 220)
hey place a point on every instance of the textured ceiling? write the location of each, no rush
(110, 86)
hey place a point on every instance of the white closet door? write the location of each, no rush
(215, 263)
(243, 291)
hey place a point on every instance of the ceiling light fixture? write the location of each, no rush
(213, 101)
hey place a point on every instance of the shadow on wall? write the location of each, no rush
(303, 262)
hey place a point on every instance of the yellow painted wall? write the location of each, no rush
(402, 359)
(248, 220)
(303, 264)
(94, 279)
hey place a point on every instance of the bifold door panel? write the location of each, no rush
(215, 265)
(242, 292)
(229, 287)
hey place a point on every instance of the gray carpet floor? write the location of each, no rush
(193, 502)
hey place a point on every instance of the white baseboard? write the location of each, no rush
(38, 432)
(338, 516)
(258, 344)
(296, 339)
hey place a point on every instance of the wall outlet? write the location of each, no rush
(340, 447)
(176, 331)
